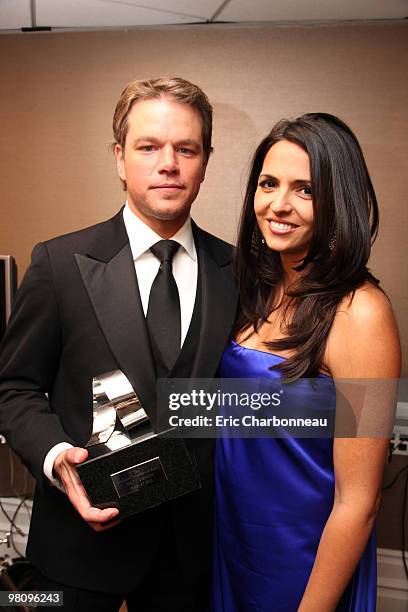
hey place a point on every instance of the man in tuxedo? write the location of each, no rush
(90, 303)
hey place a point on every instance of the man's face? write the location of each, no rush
(163, 162)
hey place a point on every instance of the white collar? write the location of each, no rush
(142, 237)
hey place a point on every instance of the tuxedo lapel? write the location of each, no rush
(219, 302)
(109, 276)
(114, 293)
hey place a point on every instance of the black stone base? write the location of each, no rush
(140, 476)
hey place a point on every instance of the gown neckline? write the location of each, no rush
(248, 348)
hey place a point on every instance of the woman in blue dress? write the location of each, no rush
(294, 523)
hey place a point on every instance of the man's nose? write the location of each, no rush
(168, 160)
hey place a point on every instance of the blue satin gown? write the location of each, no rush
(273, 498)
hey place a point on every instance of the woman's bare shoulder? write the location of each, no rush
(365, 305)
(364, 338)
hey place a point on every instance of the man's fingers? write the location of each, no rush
(69, 458)
(82, 504)
(65, 467)
(96, 518)
(96, 515)
(103, 526)
(74, 455)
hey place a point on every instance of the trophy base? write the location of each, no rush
(144, 474)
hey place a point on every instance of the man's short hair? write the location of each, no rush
(176, 88)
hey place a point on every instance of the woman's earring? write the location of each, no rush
(262, 240)
(332, 241)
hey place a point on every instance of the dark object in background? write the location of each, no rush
(13, 475)
(16, 575)
(8, 285)
(15, 479)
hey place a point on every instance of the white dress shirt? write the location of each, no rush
(185, 267)
(185, 272)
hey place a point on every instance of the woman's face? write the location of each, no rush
(283, 199)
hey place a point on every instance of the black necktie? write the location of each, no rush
(163, 312)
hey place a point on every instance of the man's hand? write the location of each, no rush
(64, 468)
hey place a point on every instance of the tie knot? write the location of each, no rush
(165, 250)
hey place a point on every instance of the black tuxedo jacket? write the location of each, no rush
(78, 314)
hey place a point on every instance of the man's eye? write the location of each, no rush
(306, 190)
(146, 148)
(186, 151)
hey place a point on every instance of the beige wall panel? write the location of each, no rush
(58, 92)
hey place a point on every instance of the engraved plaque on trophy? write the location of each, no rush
(130, 467)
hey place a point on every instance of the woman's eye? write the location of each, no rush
(267, 184)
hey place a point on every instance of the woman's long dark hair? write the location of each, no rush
(344, 227)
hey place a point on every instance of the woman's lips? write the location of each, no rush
(279, 228)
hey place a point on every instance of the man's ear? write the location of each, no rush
(205, 163)
(120, 162)
(204, 169)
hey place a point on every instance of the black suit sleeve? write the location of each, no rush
(29, 357)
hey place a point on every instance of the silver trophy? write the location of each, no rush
(130, 466)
